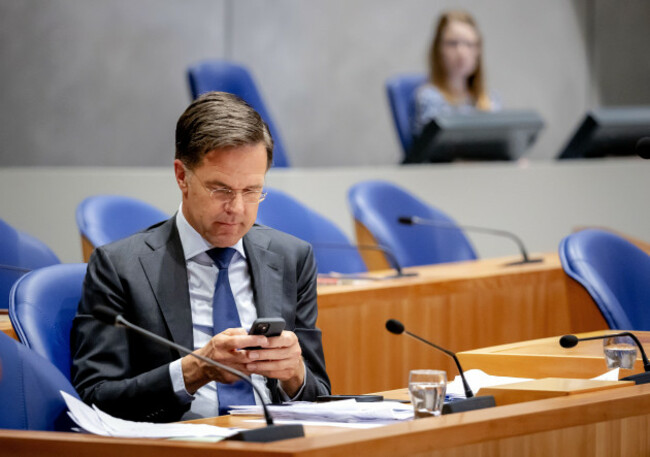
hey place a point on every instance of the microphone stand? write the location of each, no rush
(639, 378)
(370, 247)
(266, 434)
(416, 220)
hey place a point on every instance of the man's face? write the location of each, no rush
(222, 222)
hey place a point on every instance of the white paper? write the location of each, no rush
(478, 379)
(347, 411)
(611, 375)
(93, 420)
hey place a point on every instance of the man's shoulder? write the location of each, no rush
(275, 239)
(143, 241)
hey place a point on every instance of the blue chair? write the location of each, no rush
(29, 390)
(614, 272)
(377, 205)
(400, 91)
(42, 305)
(332, 249)
(102, 219)
(225, 76)
(19, 254)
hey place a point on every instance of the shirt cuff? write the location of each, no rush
(283, 394)
(178, 382)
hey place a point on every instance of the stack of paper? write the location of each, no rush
(342, 411)
(93, 420)
(478, 379)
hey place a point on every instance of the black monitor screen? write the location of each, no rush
(608, 132)
(503, 135)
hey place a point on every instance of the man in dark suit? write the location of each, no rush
(168, 279)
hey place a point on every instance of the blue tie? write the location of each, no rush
(224, 315)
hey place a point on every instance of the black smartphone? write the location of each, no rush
(267, 326)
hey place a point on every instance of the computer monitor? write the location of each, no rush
(503, 135)
(608, 132)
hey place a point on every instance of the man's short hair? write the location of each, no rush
(218, 120)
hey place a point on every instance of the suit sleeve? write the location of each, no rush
(316, 381)
(116, 370)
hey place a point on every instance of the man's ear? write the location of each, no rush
(181, 176)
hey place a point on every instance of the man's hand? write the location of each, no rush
(225, 349)
(280, 358)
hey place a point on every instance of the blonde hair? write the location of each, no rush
(437, 73)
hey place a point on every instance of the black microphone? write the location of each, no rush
(259, 435)
(370, 247)
(415, 220)
(569, 341)
(643, 147)
(396, 327)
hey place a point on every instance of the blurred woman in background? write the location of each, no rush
(456, 79)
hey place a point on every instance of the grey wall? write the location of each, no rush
(541, 202)
(96, 82)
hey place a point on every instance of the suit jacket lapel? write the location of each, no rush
(267, 272)
(167, 274)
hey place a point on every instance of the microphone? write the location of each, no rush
(643, 147)
(259, 435)
(370, 247)
(569, 341)
(415, 220)
(396, 327)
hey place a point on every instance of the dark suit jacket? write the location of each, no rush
(144, 278)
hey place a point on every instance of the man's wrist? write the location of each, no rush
(194, 376)
(292, 387)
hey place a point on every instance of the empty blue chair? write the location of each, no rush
(29, 390)
(19, 254)
(102, 219)
(225, 76)
(614, 272)
(42, 305)
(400, 90)
(332, 249)
(377, 205)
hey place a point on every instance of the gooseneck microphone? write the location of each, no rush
(369, 247)
(416, 220)
(569, 341)
(468, 404)
(259, 435)
(396, 327)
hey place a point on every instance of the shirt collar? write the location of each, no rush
(194, 245)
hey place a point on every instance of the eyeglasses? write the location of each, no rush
(227, 195)
(458, 43)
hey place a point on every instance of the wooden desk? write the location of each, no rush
(459, 306)
(546, 358)
(6, 327)
(610, 423)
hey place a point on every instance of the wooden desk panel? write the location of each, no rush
(615, 422)
(459, 306)
(546, 358)
(6, 327)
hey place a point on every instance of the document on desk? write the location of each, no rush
(341, 412)
(93, 420)
(478, 379)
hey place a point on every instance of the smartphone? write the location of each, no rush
(267, 326)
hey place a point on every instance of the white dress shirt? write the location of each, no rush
(201, 279)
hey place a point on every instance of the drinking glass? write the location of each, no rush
(620, 352)
(427, 390)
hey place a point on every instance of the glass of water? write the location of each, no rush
(620, 352)
(427, 390)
